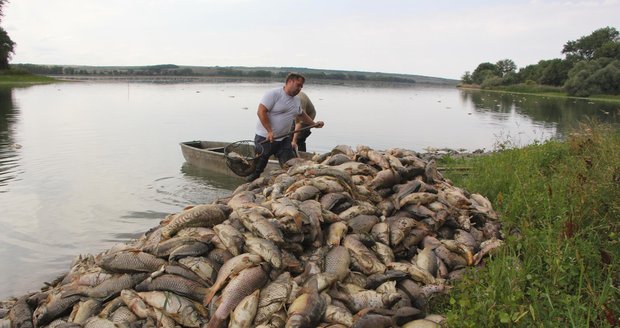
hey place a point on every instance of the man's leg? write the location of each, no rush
(264, 158)
(301, 140)
(284, 151)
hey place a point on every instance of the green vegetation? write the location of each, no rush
(560, 266)
(265, 73)
(6, 44)
(18, 77)
(591, 67)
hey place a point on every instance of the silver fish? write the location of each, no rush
(244, 284)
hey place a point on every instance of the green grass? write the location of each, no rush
(560, 207)
(19, 77)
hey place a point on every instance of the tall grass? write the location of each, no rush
(560, 207)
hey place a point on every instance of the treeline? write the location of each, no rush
(174, 70)
(591, 66)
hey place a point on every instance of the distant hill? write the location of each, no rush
(196, 72)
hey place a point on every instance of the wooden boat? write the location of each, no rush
(210, 155)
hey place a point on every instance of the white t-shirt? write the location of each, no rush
(282, 110)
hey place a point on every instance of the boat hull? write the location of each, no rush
(209, 155)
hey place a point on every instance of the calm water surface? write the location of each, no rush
(86, 165)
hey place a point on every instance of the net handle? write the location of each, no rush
(292, 132)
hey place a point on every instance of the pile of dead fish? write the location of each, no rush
(351, 238)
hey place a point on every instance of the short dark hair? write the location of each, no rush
(294, 76)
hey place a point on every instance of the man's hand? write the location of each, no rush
(270, 136)
(320, 124)
(294, 144)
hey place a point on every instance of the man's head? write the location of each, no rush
(294, 83)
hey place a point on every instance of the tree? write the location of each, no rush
(466, 78)
(603, 42)
(7, 46)
(590, 77)
(506, 66)
(554, 72)
(6, 49)
(485, 71)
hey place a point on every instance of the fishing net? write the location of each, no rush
(242, 156)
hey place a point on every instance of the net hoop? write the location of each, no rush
(242, 156)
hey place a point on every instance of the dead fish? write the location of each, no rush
(375, 280)
(180, 309)
(336, 202)
(372, 320)
(416, 273)
(266, 249)
(362, 208)
(362, 257)
(486, 247)
(273, 298)
(337, 261)
(230, 237)
(176, 284)
(362, 223)
(123, 317)
(261, 227)
(195, 248)
(241, 199)
(135, 303)
(54, 307)
(286, 207)
(386, 178)
(336, 159)
(421, 323)
(84, 310)
(203, 267)
(306, 311)
(304, 192)
(244, 313)
(231, 268)
(418, 198)
(427, 260)
(244, 284)
(96, 322)
(20, 314)
(454, 198)
(400, 227)
(336, 314)
(313, 214)
(384, 252)
(199, 216)
(357, 168)
(381, 232)
(107, 289)
(130, 261)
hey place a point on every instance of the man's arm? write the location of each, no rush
(264, 120)
(303, 117)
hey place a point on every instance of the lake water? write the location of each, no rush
(86, 165)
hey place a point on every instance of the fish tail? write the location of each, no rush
(214, 322)
(209, 293)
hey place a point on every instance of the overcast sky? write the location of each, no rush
(432, 38)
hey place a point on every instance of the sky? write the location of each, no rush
(431, 38)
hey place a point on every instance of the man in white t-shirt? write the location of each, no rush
(277, 111)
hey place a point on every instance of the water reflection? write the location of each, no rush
(209, 179)
(564, 114)
(9, 167)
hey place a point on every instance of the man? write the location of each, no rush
(277, 111)
(299, 138)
